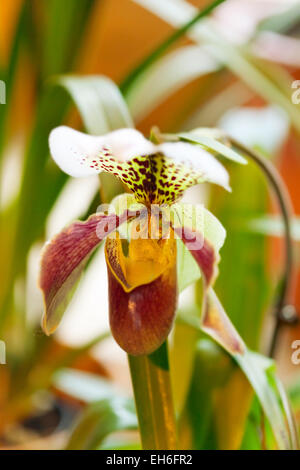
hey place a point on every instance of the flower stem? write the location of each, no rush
(153, 398)
(287, 280)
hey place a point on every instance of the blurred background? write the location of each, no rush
(236, 69)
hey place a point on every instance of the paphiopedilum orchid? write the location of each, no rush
(142, 281)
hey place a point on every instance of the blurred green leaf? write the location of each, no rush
(231, 405)
(260, 372)
(9, 74)
(166, 76)
(281, 22)
(286, 405)
(232, 56)
(212, 144)
(271, 225)
(102, 109)
(254, 435)
(182, 356)
(105, 413)
(243, 272)
(247, 275)
(101, 419)
(41, 180)
(83, 386)
(61, 38)
(118, 444)
(294, 392)
(130, 80)
(99, 101)
(211, 368)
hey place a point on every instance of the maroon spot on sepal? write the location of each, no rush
(141, 319)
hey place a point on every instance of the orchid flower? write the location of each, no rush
(143, 281)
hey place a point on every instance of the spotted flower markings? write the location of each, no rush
(153, 179)
(141, 315)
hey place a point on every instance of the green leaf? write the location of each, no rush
(291, 420)
(250, 201)
(99, 420)
(218, 401)
(83, 386)
(182, 355)
(233, 57)
(9, 75)
(102, 109)
(99, 101)
(243, 272)
(60, 40)
(212, 144)
(271, 225)
(260, 372)
(107, 412)
(119, 444)
(211, 369)
(166, 76)
(130, 80)
(294, 393)
(42, 181)
(254, 435)
(281, 22)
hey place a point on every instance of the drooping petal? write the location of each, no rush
(216, 324)
(200, 163)
(142, 292)
(64, 259)
(79, 154)
(203, 235)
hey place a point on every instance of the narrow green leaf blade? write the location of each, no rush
(101, 419)
(99, 100)
(212, 144)
(169, 74)
(105, 413)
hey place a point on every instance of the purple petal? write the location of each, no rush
(64, 259)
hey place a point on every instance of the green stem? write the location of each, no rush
(153, 398)
(286, 209)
